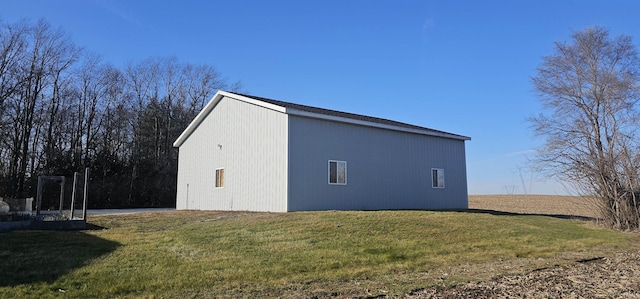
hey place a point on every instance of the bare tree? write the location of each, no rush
(63, 109)
(114, 132)
(13, 42)
(590, 90)
(48, 54)
(12, 46)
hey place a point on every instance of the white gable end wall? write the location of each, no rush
(250, 143)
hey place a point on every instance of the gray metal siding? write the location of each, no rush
(250, 143)
(385, 169)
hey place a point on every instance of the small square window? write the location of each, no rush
(437, 177)
(337, 172)
(219, 177)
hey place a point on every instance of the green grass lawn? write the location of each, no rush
(233, 254)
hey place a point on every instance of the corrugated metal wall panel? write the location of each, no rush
(250, 143)
(385, 169)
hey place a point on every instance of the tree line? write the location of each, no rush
(63, 109)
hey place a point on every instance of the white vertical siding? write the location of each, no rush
(386, 169)
(250, 143)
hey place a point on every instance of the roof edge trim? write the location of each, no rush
(221, 94)
(212, 103)
(375, 125)
(199, 118)
(257, 102)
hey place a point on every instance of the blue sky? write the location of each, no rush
(458, 66)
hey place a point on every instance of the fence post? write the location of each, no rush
(62, 183)
(73, 194)
(86, 193)
(39, 197)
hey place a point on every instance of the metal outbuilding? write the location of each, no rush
(243, 152)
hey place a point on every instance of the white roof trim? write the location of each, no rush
(221, 94)
(375, 125)
(212, 103)
(256, 102)
(199, 118)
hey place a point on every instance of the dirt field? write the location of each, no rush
(614, 275)
(535, 204)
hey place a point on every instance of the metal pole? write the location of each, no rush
(73, 194)
(62, 181)
(86, 193)
(39, 197)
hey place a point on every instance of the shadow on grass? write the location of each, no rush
(43, 256)
(501, 213)
(91, 226)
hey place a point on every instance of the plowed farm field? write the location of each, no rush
(535, 204)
